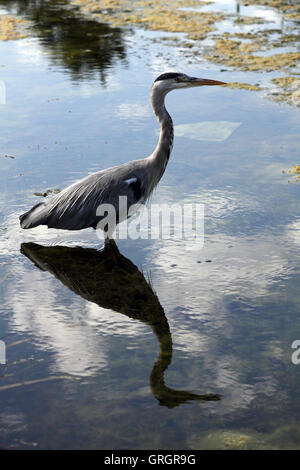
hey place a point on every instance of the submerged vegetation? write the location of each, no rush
(290, 8)
(289, 89)
(12, 27)
(47, 192)
(237, 54)
(243, 86)
(154, 15)
(246, 43)
(295, 171)
(251, 41)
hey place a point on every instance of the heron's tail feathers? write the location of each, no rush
(34, 217)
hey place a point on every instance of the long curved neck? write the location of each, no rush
(162, 152)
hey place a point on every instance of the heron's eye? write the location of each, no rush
(181, 79)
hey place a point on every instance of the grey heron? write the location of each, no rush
(76, 207)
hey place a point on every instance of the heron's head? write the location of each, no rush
(173, 80)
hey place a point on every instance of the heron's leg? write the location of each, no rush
(109, 243)
(111, 250)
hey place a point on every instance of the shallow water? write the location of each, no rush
(96, 357)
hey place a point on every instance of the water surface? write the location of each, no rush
(152, 345)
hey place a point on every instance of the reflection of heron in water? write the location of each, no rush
(112, 281)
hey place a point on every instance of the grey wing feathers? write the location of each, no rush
(33, 217)
(75, 207)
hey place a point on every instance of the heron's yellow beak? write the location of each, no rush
(205, 81)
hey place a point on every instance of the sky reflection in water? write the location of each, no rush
(227, 313)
